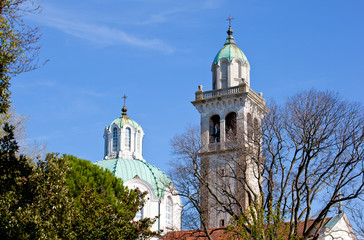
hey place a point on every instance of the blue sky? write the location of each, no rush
(157, 52)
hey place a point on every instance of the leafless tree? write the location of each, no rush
(291, 168)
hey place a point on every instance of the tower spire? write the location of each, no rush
(124, 109)
(230, 38)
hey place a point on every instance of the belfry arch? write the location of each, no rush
(214, 131)
(230, 126)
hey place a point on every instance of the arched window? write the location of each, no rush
(236, 69)
(256, 131)
(214, 73)
(230, 126)
(114, 139)
(249, 126)
(215, 129)
(224, 73)
(138, 139)
(128, 139)
(169, 211)
(139, 214)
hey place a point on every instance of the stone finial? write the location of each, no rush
(199, 93)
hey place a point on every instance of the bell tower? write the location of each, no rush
(229, 114)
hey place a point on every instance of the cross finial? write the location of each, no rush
(229, 19)
(124, 97)
(124, 109)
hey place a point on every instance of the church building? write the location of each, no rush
(124, 158)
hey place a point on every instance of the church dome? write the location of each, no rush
(128, 169)
(123, 120)
(230, 50)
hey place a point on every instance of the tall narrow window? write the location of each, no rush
(215, 129)
(224, 73)
(230, 126)
(222, 223)
(128, 139)
(114, 139)
(214, 73)
(169, 213)
(139, 214)
(138, 139)
(256, 131)
(249, 126)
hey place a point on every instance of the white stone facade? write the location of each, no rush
(124, 142)
(169, 207)
(227, 74)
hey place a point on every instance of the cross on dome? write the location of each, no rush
(124, 109)
(229, 19)
(124, 97)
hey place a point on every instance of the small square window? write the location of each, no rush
(222, 222)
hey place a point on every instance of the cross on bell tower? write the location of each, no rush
(230, 20)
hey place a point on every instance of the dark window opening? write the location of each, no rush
(222, 223)
(249, 126)
(230, 126)
(215, 129)
(256, 131)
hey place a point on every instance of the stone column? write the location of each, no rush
(222, 133)
(205, 136)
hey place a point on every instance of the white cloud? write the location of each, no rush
(100, 35)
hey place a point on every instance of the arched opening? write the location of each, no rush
(128, 139)
(249, 126)
(169, 211)
(138, 139)
(256, 131)
(139, 214)
(236, 69)
(214, 77)
(215, 129)
(230, 126)
(114, 139)
(224, 73)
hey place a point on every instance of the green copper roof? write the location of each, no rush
(127, 169)
(230, 50)
(121, 121)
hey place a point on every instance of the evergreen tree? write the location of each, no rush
(104, 208)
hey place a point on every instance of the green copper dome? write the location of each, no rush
(127, 169)
(121, 121)
(230, 50)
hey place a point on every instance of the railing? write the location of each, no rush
(220, 92)
(221, 146)
(214, 146)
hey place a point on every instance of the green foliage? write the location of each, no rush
(103, 207)
(256, 223)
(15, 186)
(66, 198)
